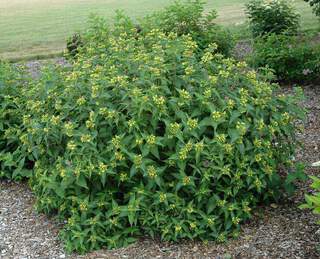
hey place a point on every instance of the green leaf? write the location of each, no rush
(81, 181)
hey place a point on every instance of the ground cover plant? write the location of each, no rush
(313, 201)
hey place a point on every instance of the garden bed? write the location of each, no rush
(278, 231)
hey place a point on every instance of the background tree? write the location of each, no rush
(316, 6)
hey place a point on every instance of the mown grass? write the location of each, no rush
(40, 27)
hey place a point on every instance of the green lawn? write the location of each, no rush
(40, 27)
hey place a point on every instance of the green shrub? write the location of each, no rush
(14, 162)
(272, 16)
(293, 58)
(73, 44)
(144, 135)
(315, 4)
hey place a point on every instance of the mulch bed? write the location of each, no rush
(277, 231)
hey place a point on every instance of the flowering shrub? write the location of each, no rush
(145, 135)
(14, 162)
(292, 58)
(272, 16)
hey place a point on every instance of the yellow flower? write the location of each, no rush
(260, 125)
(174, 128)
(162, 197)
(207, 57)
(71, 145)
(71, 221)
(90, 124)
(192, 123)
(241, 126)
(230, 104)
(235, 220)
(207, 93)
(225, 170)
(83, 206)
(119, 156)
(250, 173)
(172, 206)
(216, 115)
(137, 160)
(189, 70)
(286, 118)
(104, 111)
(159, 101)
(63, 173)
(151, 140)
(258, 183)
(199, 147)
(81, 101)
(139, 141)
(177, 228)
(69, 127)
(186, 180)
(184, 94)
(221, 138)
(102, 167)
(213, 80)
(210, 221)
(268, 170)
(190, 210)
(152, 173)
(116, 142)
(94, 91)
(185, 150)
(224, 74)
(221, 203)
(123, 177)
(257, 143)
(131, 123)
(193, 225)
(55, 120)
(86, 138)
(228, 148)
(258, 157)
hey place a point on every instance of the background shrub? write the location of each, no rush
(316, 6)
(272, 16)
(293, 58)
(73, 44)
(148, 135)
(188, 18)
(183, 18)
